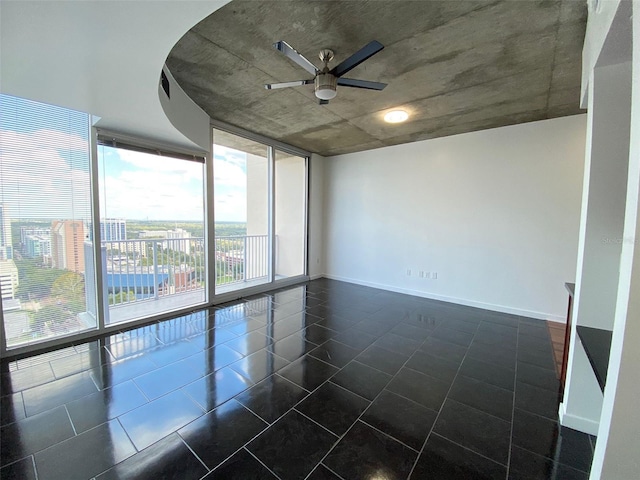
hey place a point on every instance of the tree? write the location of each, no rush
(48, 315)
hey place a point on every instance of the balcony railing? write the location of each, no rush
(147, 269)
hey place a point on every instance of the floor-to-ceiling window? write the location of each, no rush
(151, 231)
(260, 205)
(98, 228)
(46, 260)
(241, 173)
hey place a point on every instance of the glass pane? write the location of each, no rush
(241, 194)
(290, 197)
(152, 233)
(46, 259)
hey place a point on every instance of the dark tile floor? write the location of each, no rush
(323, 381)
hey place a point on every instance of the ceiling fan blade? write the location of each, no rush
(296, 83)
(323, 102)
(357, 58)
(352, 82)
(291, 53)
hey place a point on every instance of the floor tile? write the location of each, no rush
(443, 349)
(318, 334)
(400, 418)
(526, 465)
(476, 430)
(382, 359)
(373, 327)
(212, 337)
(85, 455)
(362, 379)
(334, 322)
(545, 437)
(21, 470)
(486, 372)
(249, 343)
(537, 400)
(453, 336)
(149, 423)
(216, 388)
(12, 382)
(168, 459)
(427, 391)
(540, 358)
(246, 326)
(494, 354)
(323, 473)
(355, 339)
(483, 396)
(170, 353)
(410, 331)
(292, 446)
(333, 407)
(58, 392)
(444, 460)
(435, 367)
(171, 377)
(241, 466)
(293, 347)
(219, 433)
(113, 373)
(492, 339)
(33, 434)
(272, 398)
(11, 408)
(308, 372)
(367, 453)
(259, 365)
(71, 364)
(398, 344)
(102, 406)
(538, 377)
(334, 353)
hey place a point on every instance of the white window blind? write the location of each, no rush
(45, 210)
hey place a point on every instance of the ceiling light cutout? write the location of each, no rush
(396, 116)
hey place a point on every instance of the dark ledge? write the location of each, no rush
(597, 344)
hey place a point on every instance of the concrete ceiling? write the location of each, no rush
(455, 66)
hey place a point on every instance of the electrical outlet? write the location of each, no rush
(434, 275)
(408, 272)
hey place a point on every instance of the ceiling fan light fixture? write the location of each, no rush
(396, 116)
(325, 86)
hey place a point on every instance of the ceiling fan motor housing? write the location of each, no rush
(325, 86)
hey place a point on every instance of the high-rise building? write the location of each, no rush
(113, 229)
(38, 246)
(67, 240)
(179, 240)
(6, 244)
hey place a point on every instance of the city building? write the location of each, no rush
(38, 246)
(113, 229)
(444, 243)
(6, 245)
(8, 279)
(67, 239)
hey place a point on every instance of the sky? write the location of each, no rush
(44, 173)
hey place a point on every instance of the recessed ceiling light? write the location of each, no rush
(396, 116)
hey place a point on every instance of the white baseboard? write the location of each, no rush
(459, 301)
(317, 276)
(577, 423)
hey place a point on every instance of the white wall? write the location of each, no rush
(495, 213)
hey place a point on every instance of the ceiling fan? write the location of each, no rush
(325, 81)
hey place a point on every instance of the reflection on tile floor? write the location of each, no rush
(322, 380)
